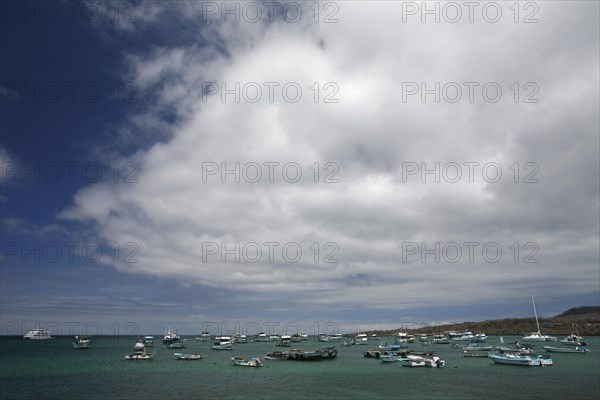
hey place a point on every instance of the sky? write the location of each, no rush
(327, 166)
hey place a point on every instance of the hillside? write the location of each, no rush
(585, 320)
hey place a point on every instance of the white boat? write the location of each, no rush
(239, 338)
(274, 338)
(573, 340)
(440, 339)
(81, 342)
(222, 343)
(286, 341)
(579, 350)
(537, 336)
(374, 337)
(480, 338)
(188, 357)
(148, 341)
(337, 336)
(253, 362)
(303, 336)
(205, 337)
(262, 337)
(361, 338)
(321, 337)
(466, 336)
(140, 356)
(139, 346)
(518, 359)
(175, 345)
(172, 337)
(38, 334)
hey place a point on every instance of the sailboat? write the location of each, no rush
(537, 336)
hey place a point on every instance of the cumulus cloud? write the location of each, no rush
(375, 201)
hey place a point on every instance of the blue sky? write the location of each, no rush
(120, 129)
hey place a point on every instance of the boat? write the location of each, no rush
(573, 340)
(296, 338)
(518, 359)
(222, 343)
(337, 336)
(303, 336)
(479, 353)
(423, 338)
(480, 338)
(172, 339)
(239, 338)
(416, 361)
(188, 357)
(374, 337)
(389, 358)
(466, 336)
(277, 356)
(286, 341)
(523, 350)
(262, 337)
(253, 362)
(476, 347)
(274, 338)
(139, 346)
(38, 334)
(361, 338)
(537, 336)
(148, 341)
(323, 353)
(413, 363)
(577, 349)
(321, 337)
(143, 356)
(81, 342)
(205, 337)
(402, 339)
(440, 339)
(384, 346)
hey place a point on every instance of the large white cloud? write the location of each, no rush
(371, 135)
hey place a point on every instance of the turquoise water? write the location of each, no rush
(51, 369)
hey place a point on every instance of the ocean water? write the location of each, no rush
(51, 369)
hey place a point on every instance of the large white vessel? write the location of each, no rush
(537, 336)
(38, 334)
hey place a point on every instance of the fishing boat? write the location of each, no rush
(253, 362)
(222, 343)
(81, 342)
(537, 336)
(573, 340)
(188, 357)
(518, 359)
(361, 339)
(38, 334)
(577, 349)
(172, 339)
(277, 356)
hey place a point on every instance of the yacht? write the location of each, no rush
(464, 337)
(222, 343)
(262, 337)
(38, 334)
(537, 336)
(81, 342)
(204, 338)
(361, 338)
(172, 339)
(303, 336)
(323, 337)
(148, 341)
(573, 340)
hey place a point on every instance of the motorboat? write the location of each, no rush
(205, 337)
(361, 338)
(239, 338)
(321, 337)
(303, 336)
(518, 348)
(139, 353)
(466, 336)
(148, 341)
(416, 361)
(476, 347)
(296, 338)
(139, 346)
(384, 346)
(478, 353)
(374, 337)
(172, 339)
(479, 338)
(253, 362)
(577, 349)
(337, 336)
(573, 340)
(274, 338)
(189, 357)
(81, 342)
(262, 337)
(537, 336)
(222, 343)
(440, 339)
(286, 341)
(38, 334)
(518, 359)
(323, 353)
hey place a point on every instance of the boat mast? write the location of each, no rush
(535, 312)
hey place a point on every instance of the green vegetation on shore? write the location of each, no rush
(585, 320)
